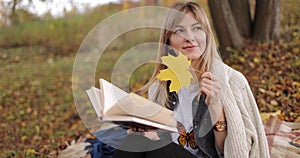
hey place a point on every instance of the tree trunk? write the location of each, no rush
(157, 2)
(241, 13)
(13, 14)
(225, 26)
(234, 22)
(267, 20)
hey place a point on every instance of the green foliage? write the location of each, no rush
(53, 34)
(60, 36)
(22, 15)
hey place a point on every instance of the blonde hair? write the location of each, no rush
(204, 63)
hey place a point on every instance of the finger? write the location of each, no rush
(130, 131)
(141, 130)
(144, 130)
(134, 129)
(214, 84)
(209, 90)
(206, 86)
(210, 76)
(206, 75)
(207, 81)
(205, 91)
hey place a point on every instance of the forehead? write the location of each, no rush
(188, 19)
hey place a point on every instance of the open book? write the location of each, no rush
(130, 110)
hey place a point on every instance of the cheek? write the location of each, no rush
(202, 39)
(176, 41)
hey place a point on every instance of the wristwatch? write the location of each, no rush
(220, 126)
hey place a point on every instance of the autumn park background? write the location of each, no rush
(37, 53)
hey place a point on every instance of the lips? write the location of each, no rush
(189, 47)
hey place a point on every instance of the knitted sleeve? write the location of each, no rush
(254, 129)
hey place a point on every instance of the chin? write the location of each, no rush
(195, 57)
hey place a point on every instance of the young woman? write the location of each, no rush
(234, 127)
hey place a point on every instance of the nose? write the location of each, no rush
(189, 37)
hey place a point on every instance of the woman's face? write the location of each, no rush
(188, 37)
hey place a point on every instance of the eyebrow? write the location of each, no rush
(192, 25)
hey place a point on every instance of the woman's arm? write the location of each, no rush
(220, 135)
(153, 135)
(211, 86)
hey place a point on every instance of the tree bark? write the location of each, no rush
(225, 26)
(267, 20)
(157, 2)
(13, 14)
(241, 13)
(234, 22)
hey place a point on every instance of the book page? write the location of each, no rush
(110, 95)
(96, 105)
(138, 106)
(98, 95)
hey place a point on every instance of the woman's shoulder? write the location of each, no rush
(226, 70)
(236, 77)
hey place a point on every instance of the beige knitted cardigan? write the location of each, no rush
(245, 131)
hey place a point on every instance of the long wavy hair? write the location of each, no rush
(204, 63)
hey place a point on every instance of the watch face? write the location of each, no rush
(220, 126)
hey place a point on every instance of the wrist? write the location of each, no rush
(220, 126)
(221, 116)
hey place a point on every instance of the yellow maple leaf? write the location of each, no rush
(177, 72)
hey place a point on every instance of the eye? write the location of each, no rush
(179, 31)
(197, 28)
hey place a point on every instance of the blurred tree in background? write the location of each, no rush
(237, 22)
(13, 12)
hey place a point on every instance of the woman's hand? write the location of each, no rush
(146, 133)
(211, 86)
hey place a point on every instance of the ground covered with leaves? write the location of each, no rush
(273, 72)
(273, 77)
(37, 109)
